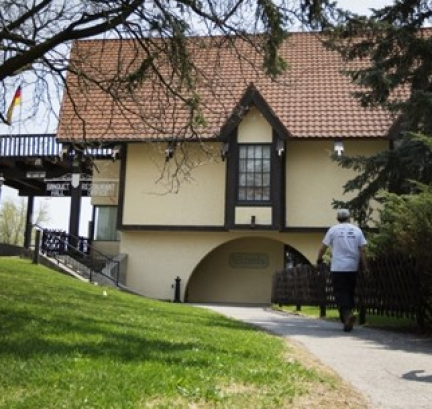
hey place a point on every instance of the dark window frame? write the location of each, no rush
(252, 164)
(277, 193)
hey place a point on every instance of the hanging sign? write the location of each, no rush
(57, 189)
(103, 188)
(63, 188)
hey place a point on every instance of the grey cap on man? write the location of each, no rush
(343, 214)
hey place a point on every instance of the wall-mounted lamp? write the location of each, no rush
(169, 151)
(224, 150)
(280, 147)
(115, 155)
(64, 152)
(338, 147)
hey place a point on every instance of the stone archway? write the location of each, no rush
(238, 271)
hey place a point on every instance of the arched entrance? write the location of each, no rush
(239, 271)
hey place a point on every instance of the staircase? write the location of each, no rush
(77, 257)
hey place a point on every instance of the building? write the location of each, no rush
(222, 194)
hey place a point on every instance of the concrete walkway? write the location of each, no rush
(393, 371)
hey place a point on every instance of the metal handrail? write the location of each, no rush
(81, 258)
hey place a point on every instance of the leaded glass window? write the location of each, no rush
(254, 173)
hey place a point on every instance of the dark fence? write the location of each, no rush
(301, 285)
(392, 288)
(395, 286)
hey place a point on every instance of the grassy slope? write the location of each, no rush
(64, 344)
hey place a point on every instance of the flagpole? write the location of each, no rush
(20, 115)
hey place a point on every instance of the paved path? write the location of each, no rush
(393, 371)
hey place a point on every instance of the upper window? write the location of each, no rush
(254, 173)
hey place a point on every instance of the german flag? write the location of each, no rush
(15, 101)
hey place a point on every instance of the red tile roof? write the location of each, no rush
(312, 99)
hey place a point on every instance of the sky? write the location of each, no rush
(363, 6)
(59, 208)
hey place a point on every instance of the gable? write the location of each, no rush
(254, 128)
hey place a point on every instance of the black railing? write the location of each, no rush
(58, 242)
(77, 254)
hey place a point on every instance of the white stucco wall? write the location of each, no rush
(152, 197)
(254, 128)
(155, 259)
(313, 180)
(263, 215)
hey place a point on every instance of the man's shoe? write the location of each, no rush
(349, 323)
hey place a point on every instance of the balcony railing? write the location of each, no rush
(29, 146)
(41, 146)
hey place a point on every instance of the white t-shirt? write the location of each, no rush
(345, 239)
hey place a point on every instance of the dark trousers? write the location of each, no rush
(344, 284)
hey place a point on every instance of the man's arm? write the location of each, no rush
(363, 258)
(321, 253)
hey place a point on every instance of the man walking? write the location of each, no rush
(348, 250)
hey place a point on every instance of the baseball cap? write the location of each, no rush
(343, 214)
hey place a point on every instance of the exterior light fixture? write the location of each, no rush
(115, 155)
(64, 152)
(169, 151)
(280, 147)
(224, 150)
(338, 147)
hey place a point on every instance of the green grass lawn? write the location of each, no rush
(68, 344)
